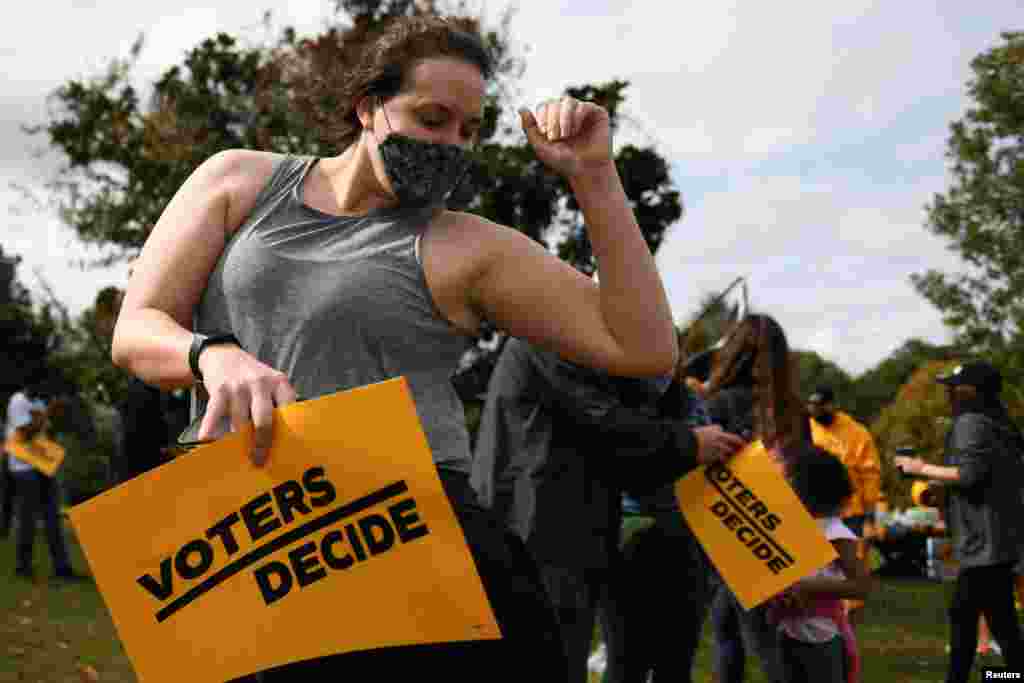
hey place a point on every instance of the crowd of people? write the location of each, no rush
(562, 446)
(272, 276)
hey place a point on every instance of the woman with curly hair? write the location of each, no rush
(270, 276)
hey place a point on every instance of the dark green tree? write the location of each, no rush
(877, 387)
(917, 416)
(30, 332)
(125, 158)
(982, 212)
(41, 337)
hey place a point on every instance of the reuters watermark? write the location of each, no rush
(1000, 673)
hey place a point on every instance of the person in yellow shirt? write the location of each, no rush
(853, 444)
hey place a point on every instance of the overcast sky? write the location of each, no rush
(805, 137)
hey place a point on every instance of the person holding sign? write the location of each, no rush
(657, 590)
(557, 446)
(816, 639)
(983, 509)
(37, 494)
(270, 276)
(752, 392)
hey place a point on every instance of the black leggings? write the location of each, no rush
(577, 594)
(9, 488)
(530, 650)
(988, 591)
(664, 596)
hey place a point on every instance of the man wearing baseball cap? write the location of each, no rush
(983, 473)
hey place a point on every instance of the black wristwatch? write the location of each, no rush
(199, 344)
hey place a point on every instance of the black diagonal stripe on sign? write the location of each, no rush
(752, 522)
(257, 554)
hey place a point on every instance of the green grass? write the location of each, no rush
(50, 630)
(902, 639)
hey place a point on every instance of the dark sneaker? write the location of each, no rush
(24, 573)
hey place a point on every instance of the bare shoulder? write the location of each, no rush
(487, 238)
(239, 167)
(466, 224)
(239, 174)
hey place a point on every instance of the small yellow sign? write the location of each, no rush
(40, 452)
(213, 568)
(752, 526)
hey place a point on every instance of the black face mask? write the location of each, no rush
(422, 173)
(825, 418)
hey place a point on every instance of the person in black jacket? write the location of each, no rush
(665, 577)
(982, 478)
(150, 419)
(752, 393)
(557, 446)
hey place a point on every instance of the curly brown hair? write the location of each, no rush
(757, 354)
(331, 75)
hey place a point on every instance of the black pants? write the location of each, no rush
(988, 591)
(577, 594)
(38, 496)
(730, 654)
(530, 650)
(9, 490)
(665, 581)
(812, 662)
(735, 631)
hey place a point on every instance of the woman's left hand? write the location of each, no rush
(569, 136)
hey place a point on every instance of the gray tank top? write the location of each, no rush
(337, 302)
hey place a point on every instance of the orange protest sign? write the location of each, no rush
(214, 568)
(752, 526)
(40, 452)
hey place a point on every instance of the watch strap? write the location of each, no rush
(199, 344)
